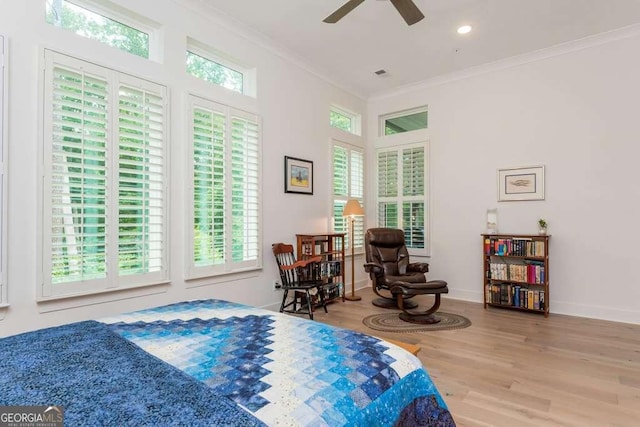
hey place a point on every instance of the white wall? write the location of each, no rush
(294, 105)
(573, 109)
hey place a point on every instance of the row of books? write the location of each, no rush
(529, 272)
(513, 246)
(515, 296)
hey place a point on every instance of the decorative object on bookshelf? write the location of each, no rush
(517, 184)
(542, 226)
(390, 322)
(516, 271)
(351, 210)
(298, 175)
(492, 221)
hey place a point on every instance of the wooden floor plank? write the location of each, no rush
(514, 368)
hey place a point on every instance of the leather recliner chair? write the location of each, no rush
(395, 279)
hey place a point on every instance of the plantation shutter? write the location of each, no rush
(340, 188)
(208, 187)
(348, 183)
(413, 172)
(388, 189)
(357, 192)
(141, 192)
(3, 178)
(104, 196)
(413, 190)
(79, 174)
(245, 195)
(226, 217)
(402, 192)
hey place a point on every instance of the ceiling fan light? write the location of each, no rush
(464, 29)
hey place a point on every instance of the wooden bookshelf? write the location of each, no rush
(516, 272)
(330, 246)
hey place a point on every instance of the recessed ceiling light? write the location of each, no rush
(464, 29)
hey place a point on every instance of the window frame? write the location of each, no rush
(229, 267)
(383, 118)
(356, 119)
(125, 17)
(114, 280)
(4, 66)
(400, 198)
(359, 226)
(211, 54)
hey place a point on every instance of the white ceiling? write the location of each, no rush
(374, 36)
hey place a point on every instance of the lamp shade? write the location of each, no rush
(352, 208)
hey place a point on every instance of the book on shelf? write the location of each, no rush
(514, 246)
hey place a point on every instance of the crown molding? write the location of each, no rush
(221, 19)
(515, 61)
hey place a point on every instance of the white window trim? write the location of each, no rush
(426, 251)
(223, 271)
(383, 118)
(207, 52)
(3, 169)
(335, 142)
(117, 283)
(356, 119)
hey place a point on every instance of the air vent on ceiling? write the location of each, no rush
(381, 73)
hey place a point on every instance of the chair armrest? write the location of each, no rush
(302, 263)
(421, 267)
(373, 268)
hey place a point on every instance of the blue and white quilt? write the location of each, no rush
(286, 370)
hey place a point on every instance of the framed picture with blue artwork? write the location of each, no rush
(298, 175)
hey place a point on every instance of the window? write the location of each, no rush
(348, 183)
(344, 120)
(404, 121)
(207, 64)
(97, 25)
(402, 193)
(225, 220)
(104, 192)
(213, 72)
(3, 180)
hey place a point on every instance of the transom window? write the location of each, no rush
(207, 64)
(98, 25)
(214, 72)
(404, 121)
(344, 120)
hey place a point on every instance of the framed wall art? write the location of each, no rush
(518, 184)
(298, 175)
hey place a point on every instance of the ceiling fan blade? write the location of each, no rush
(342, 11)
(408, 10)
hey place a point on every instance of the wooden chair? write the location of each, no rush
(302, 277)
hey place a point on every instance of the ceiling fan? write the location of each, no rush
(406, 8)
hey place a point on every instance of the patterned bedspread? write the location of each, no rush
(286, 370)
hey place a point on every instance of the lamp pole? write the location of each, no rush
(351, 209)
(353, 296)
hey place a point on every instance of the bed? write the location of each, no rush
(214, 362)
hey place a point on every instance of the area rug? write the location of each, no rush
(390, 322)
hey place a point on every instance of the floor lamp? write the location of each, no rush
(351, 210)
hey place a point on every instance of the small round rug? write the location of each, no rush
(390, 322)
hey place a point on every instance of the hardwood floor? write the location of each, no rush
(519, 369)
